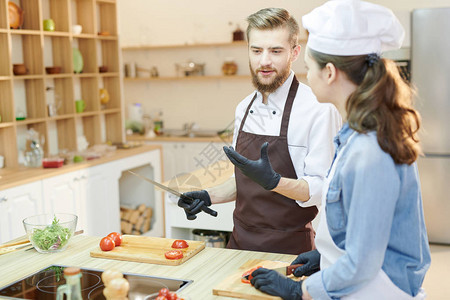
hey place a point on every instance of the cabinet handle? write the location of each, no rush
(3, 199)
(83, 177)
(76, 179)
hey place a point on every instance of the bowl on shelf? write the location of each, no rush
(19, 69)
(103, 69)
(50, 233)
(53, 70)
(77, 29)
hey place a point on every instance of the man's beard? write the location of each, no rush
(278, 81)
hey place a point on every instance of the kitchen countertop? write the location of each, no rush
(207, 268)
(11, 177)
(197, 139)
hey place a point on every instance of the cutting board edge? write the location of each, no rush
(111, 255)
(244, 296)
(224, 285)
(97, 254)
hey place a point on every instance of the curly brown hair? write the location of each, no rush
(382, 102)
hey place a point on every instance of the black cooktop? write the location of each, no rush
(44, 283)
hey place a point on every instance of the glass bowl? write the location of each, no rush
(50, 232)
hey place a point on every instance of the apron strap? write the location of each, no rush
(288, 107)
(246, 112)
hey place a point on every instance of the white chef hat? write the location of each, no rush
(352, 27)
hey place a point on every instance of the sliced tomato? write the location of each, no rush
(247, 276)
(180, 244)
(174, 254)
(107, 243)
(117, 237)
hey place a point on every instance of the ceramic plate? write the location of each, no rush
(15, 15)
(77, 61)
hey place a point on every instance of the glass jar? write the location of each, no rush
(229, 67)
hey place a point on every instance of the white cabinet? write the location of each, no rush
(184, 157)
(100, 199)
(16, 204)
(64, 194)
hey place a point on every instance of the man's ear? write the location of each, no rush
(330, 73)
(295, 52)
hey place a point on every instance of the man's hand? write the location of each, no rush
(201, 201)
(273, 283)
(260, 171)
(310, 261)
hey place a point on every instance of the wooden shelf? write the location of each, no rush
(149, 47)
(32, 93)
(208, 77)
(200, 45)
(25, 32)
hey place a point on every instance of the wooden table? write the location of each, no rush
(207, 269)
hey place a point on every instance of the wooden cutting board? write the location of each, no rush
(148, 250)
(233, 287)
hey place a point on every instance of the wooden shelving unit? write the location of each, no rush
(38, 49)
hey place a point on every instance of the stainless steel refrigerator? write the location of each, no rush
(430, 72)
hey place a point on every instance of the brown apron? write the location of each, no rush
(264, 220)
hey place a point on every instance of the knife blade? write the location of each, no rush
(286, 270)
(176, 193)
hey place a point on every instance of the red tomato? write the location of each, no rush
(172, 296)
(180, 244)
(107, 243)
(173, 254)
(117, 237)
(248, 273)
(163, 292)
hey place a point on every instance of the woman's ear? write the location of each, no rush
(330, 73)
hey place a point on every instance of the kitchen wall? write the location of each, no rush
(210, 103)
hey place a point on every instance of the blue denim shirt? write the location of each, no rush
(374, 213)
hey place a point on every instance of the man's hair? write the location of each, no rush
(271, 18)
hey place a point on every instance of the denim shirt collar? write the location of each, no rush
(343, 135)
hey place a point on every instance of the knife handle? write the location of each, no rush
(290, 269)
(210, 211)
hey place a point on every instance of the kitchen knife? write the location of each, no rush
(286, 270)
(176, 193)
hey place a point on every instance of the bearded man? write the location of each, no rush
(284, 146)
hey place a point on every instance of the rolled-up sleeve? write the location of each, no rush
(320, 153)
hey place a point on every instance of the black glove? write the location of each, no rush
(260, 171)
(273, 283)
(311, 261)
(194, 202)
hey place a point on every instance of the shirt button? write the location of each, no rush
(274, 112)
(251, 111)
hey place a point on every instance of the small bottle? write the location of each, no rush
(158, 124)
(72, 288)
